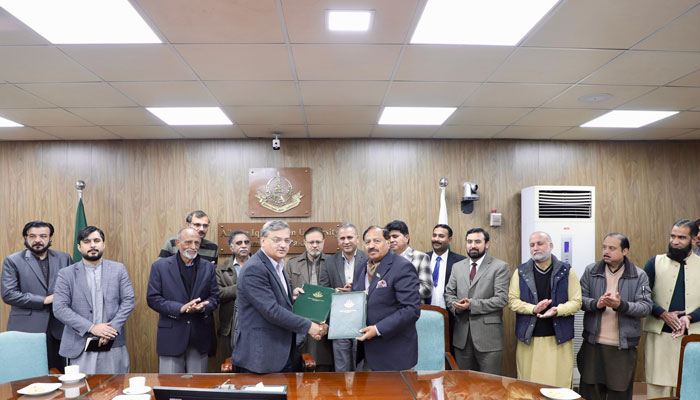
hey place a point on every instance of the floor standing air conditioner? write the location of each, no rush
(567, 214)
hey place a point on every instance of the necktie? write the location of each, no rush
(472, 273)
(371, 269)
(436, 276)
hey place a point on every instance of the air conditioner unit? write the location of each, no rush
(567, 214)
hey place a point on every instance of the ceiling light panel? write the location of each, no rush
(83, 21)
(191, 115)
(349, 20)
(415, 115)
(479, 22)
(627, 119)
(6, 123)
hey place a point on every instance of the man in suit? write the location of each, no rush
(441, 262)
(307, 268)
(399, 241)
(28, 280)
(338, 274)
(476, 294)
(390, 340)
(94, 298)
(266, 328)
(199, 221)
(182, 289)
(226, 278)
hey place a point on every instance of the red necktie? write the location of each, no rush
(472, 273)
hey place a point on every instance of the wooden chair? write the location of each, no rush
(690, 359)
(434, 339)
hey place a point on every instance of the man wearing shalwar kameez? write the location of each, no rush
(94, 298)
(545, 294)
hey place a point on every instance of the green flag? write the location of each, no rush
(80, 224)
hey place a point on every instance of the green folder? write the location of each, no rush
(348, 315)
(314, 303)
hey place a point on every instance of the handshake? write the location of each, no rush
(317, 331)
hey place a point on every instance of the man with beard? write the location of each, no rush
(94, 298)
(199, 221)
(545, 294)
(338, 274)
(441, 262)
(696, 250)
(182, 289)
(399, 240)
(675, 310)
(476, 294)
(390, 340)
(28, 280)
(616, 297)
(307, 268)
(226, 278)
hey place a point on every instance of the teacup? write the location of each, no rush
(137, 383)
(72, 370)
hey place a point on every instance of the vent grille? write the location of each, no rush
(565, 204)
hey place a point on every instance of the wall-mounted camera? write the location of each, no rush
(276, 143)
(469, 197)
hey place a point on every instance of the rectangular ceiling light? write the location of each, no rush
(6, 123)
(479, 22)
(627, 119)
(415, 115)
(191, 115)
(349, 21)
(83, 21)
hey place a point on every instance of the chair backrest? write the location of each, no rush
(22, 355)
(689, 368)
(433, 341)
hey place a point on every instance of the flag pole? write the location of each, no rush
(80, 221)
(442, 215)
(80, 185)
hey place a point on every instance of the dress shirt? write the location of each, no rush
(279, 267)
(478, 263)
(349, 267)
(438, 298)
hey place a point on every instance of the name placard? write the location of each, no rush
(297, 235)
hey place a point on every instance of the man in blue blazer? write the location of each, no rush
(94, 298)
(182, 288)
(393, 305)
(266, 328)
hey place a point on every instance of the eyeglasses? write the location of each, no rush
(315, 242)
(277, 240)
(240, 242)
(198, 225)
(375, 241)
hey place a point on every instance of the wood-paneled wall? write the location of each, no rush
(140, 191)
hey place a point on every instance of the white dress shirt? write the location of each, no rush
(438, 298)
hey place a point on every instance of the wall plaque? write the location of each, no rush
(297, 235)
(279, 192)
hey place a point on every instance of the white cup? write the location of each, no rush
(72, 392)
(72, 370)
(137, 382)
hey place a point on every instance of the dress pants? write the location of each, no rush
(344, 351)
(469, 358)
(191, 362)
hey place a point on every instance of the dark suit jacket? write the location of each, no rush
(24, 288)
(394, 310)
(226, 278)
(167, 294)
(333, 275)
(265, 324)
(452, 258)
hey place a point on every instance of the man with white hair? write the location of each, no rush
(545, 294)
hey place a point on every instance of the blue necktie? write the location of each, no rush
(436, 276)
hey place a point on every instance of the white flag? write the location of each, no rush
(442, 216)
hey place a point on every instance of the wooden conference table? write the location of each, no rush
(323, 385)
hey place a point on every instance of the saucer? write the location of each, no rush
(142, 390)
(71, 379)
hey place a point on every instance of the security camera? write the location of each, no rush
(276, 143)
(469, 197)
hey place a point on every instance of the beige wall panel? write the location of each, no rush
(140, 191)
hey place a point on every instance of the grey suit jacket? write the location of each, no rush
(489, 294)
(333, 275)
(298, 272)
(24, 288)
(73, 304)
(227, 278)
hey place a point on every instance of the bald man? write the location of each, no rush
(545, 294)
